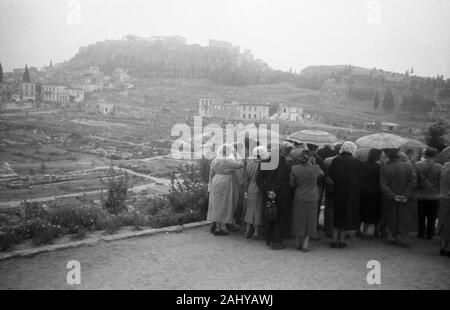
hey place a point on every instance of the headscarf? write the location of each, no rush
(286, 147)
(225, 151)
(261, 152)
(348, 147)
(298, 155)
(304, 157)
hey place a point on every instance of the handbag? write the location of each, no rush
(271, 210)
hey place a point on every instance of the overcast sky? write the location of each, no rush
(388, 34)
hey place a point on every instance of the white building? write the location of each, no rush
(213, 107)
(105, 108)
(55, 94)
(75, 95)
(27, 91)
(289, 113)
(254, 111)
(61, 94)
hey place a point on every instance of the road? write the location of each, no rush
(195, 259)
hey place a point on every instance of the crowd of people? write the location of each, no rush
(385, 194)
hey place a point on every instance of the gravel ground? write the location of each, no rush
(195, 259)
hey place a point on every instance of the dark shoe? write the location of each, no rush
(429, 237)
(299, 247)
(342, 245)
(277, 246)
(212, 229)
(421, 237)
(334, 245)
(442, 252)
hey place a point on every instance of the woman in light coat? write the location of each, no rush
(222, 190)
(255, 199)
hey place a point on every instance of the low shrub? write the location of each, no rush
(41, 231)
(111, 224)
(77, 217)
(9, 237)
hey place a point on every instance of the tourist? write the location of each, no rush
(221, 189)
(254, 208)
(303, 178)
(328, 212)
(428, 174)
(370, 192)
(285, 150)
(397, 183)
(345, 171)
(318, 160)
(239, 201)
(444, 211)
(275, 186)
(326, 152)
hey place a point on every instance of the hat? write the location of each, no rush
(261, 152)
(348, 147)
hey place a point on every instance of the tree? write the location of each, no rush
(412, 70)
(26, 75)
(376, 101)
(117, 192)
(434, 136)
(388, 101)
(1, 73)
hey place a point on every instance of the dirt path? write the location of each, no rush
(196, 259)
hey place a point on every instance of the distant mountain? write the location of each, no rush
(171, 57)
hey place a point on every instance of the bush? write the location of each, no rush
(77, 217)
(189, 191)
(117, 193)
(9, 237)
(41, 231)
(111, 224)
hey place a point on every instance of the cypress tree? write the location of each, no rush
(1, 73)
(376, 101)
(388, 101)
(26, 75)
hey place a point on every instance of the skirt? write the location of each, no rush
(254, 210)
(304, 218)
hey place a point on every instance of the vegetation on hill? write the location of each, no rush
(155, 59)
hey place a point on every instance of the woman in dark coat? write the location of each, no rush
(275, 185)
(345, 171)
(370, 207)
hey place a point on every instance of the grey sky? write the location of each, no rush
(284, 33)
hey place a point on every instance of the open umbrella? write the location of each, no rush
(381, 141)
(413, 144)
(444, 156)
(316, 137)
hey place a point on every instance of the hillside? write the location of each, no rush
(163, 58)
